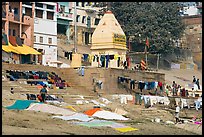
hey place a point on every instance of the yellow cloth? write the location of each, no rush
(125, 129)
(71, 108)
(20, 49)
(8, 48)
(90, 57)
(115, 56)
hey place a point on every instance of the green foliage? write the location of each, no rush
(159, 21)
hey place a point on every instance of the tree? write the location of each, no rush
(159, 21)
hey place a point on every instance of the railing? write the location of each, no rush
(3, 14)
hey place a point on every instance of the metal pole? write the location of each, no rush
(75, 29)
(157, 61)
(146, 54)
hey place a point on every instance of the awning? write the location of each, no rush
(8, 48)
(20, 49)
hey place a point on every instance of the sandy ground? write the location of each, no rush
(38, 123)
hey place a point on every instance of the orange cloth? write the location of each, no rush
(91, 111)
(12, 40)
(39, 87)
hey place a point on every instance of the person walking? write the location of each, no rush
(194, 79)
(43, 93)
(197, 83)
(174, 87)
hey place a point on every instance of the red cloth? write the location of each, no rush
(159, 84)
(91, 111)
(147, 42)
(35, 76)
(12, 40)
(40, 98)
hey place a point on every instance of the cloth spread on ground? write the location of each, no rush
(95, 123)
(97, 103)
(91, 111)
(77, 116)
(125, 129)
(21, 104)
(50, 109)
(108, 115)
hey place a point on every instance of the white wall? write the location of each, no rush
(45, 39)
(50, 53)
(45, 26)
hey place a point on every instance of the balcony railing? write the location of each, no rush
(3, 14)
(65, 16)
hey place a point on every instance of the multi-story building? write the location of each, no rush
(45, 31)
(17, 22)
(87, 19)
(64, 17)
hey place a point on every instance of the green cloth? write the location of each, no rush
(4, 38)
(96, 123)
(21, 104)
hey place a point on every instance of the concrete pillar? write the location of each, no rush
(76, 60)
(20, 15)
(44, 12)
(7, 22)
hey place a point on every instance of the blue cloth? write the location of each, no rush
(85, 57)
(107, 60)
(197, 104)
(21, 104)
(146, 85)
(82, 71)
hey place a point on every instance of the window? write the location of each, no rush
(62, 9)
(78, 18)
(49, 40)
(41, 39)
(50, 15)
(34, 38)
(39, 13)
(50, 7)
(83, 19)
(15, 10)
(38, 5)
(9, 32)
(14, 32)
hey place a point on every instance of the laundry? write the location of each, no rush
(21, 104)
(50, 109)
(120, 111)
(108, 115)
(97, 103)
(76, 116)
(92, 111)
(18, 41)
(12, 40)
(95, 123)
(126, 129)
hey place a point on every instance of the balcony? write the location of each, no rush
(64, 16)
(11, 16)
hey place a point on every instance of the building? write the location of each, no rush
(45, 32)
(18, 31)
(64, 17)
(108, 43)
(87, 19)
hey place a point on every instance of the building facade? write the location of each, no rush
(17, 22)
(45, 32)
(108, 43)
(87, 19)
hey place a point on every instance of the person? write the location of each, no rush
(43, 92)
(194, 79)
(82, 71)
(174, 86)
(197, 83)
(177, 113)
(167, 90)
(12, 92)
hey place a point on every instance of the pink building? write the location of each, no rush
(18, 21)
